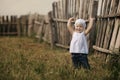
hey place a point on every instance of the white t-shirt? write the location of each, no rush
(79, 43)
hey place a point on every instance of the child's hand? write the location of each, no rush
(71, 19)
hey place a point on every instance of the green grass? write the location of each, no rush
(25, 59)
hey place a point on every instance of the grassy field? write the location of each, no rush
(26, 59)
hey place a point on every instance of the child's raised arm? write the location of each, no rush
(89, 26)
(69, 26)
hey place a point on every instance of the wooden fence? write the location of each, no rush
(13, 26)
(108, 28)
(43, 28)
(25, 25)
(8, 25)
(64, 9)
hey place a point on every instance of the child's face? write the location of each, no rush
(79, 28)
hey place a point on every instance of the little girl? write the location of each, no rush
(78, 45)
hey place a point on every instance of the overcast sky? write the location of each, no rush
(19, 7)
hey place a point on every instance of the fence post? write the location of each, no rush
(92, 35)
(18, 27)
(30, 25)
(51, 30)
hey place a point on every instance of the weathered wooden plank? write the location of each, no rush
(58, 29)
(57, 14)
(40, 30)
(69, 15)
(0, 19)
(55, 22)
(6, 25)
(77, 9)
(88, 8)
(117, 44)
(84, 9)
(72, 12)
(65, 17)
(114, 35)
(107, 9)
(80, 9)
(102, 49)
(64, 4)
(69, 9)
(103, 32)
(98, 31)
(51, 30)
(112, 7)
(100, 34)
(18, 27)
(63, 46)
(116, 5)
(3, 28)
(29, 33)
(60, 24)
(15, 25)
(99, 7)
(0, 24)
(95, 7)
(118, 9)
(103, 7)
